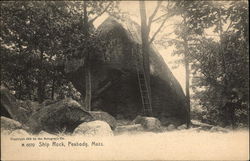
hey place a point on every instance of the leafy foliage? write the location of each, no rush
(221, 70)
(219, 67)
(36, 39)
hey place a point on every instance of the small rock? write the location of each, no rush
(94, 128)
(182, 127)
(197, 123)
(165, 121)
(129, 128)
(19, 132)
(218, 129)
(148, 123)
(123, 122)
(171, 127)
(44, 133)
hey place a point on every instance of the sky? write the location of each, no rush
(133, 8)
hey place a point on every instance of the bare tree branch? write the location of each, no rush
(160, 17)
(168, 7)
(229, 26)
(106, 8)
(159, 29)
(153, 15)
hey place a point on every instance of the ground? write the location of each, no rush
(181, 145)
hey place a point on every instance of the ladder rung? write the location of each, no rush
(143, 88)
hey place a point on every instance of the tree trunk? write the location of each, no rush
(145, 48)
(53, 89)
(187, 89)
(187, 72)
(88, 89)
(41, 89)
(87, 101)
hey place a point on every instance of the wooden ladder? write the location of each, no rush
(146, 102)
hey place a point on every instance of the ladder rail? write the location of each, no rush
(139, 81)
(142, 98)
(147, 107)
(146, 86)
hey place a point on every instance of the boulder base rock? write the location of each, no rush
(62, 116)
(94, 128)
(104, 116)
(148, 123)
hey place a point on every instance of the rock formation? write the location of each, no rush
(63, 116)
(115, 86)
(11, 108)
(93, 128)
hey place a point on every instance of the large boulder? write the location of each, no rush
(94, 128)
(148, 123)
(115, 86)
(10, 106)
(62, 116)
(30, 106)
(104, 116)
(8, 125)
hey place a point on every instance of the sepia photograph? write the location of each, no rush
(124, 80)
